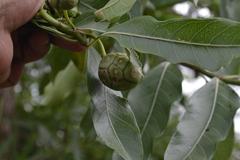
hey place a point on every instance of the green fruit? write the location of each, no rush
(63, 4)
(117, 72)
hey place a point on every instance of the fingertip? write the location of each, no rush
(26, 11)
(6, 54)
(14, 74)
(4, 75)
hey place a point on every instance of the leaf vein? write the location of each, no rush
(209, 119)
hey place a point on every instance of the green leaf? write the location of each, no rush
(134, 58)
(224, 148)
(79, 59)
(5, 145)
(58, 59)
(137, 9)
(234, 67)
(152, 99)
(206, 122)
(124, 18)
(113, 119)
(114, 9)
(230, 9)
(206, 43)
(86, 5)
(87, 131)
(65, 83)
(87, 21)
(116, 156)
(28, 147)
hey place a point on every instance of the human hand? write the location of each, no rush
(19, 46)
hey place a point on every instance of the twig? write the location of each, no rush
(226, 79)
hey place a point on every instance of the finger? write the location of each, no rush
(67, 45)
(15, 74)
(37, 46)
(26, 9)
(6, 54)
(27, 50)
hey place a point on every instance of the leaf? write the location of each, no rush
(86, 5)
(206, 122)
(58, 59)
(116, 156)
(224, 148)
(137, 9)
(79, 59)
(27, 148)
(124, 18)
(234, 67)
(230, 9)
(87, 21)
(113, 119)
(5, 145)
(134, 58)
(65, 83)
(87, 131)
(152, 99)
(206, 43)
(114, 9)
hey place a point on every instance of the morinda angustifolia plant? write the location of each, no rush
(133, 76)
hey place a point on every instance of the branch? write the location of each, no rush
(225, 79)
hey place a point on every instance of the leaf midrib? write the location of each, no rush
(110, 121)
(107, 7)
(168, 40)
(155, 97)
(209, 120)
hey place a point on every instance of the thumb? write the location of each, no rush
(26, 9)
(6, 55)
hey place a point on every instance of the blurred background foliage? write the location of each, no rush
(31, 131)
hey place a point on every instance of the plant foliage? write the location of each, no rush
(93, 121)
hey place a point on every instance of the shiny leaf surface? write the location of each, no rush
(65, 83)
(206, 43)
(113, 119)
(114, 9)
(207, 121)
(152, 99)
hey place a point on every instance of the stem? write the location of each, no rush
(58, 25)
(225, 79)
(79, 38)
(232, 76)
(55, 32)
(62, 27)
(65, 12)
(103, 52)
(94, 41)
(97, 39)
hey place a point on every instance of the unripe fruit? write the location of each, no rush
(117, 72)
(63, 4)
